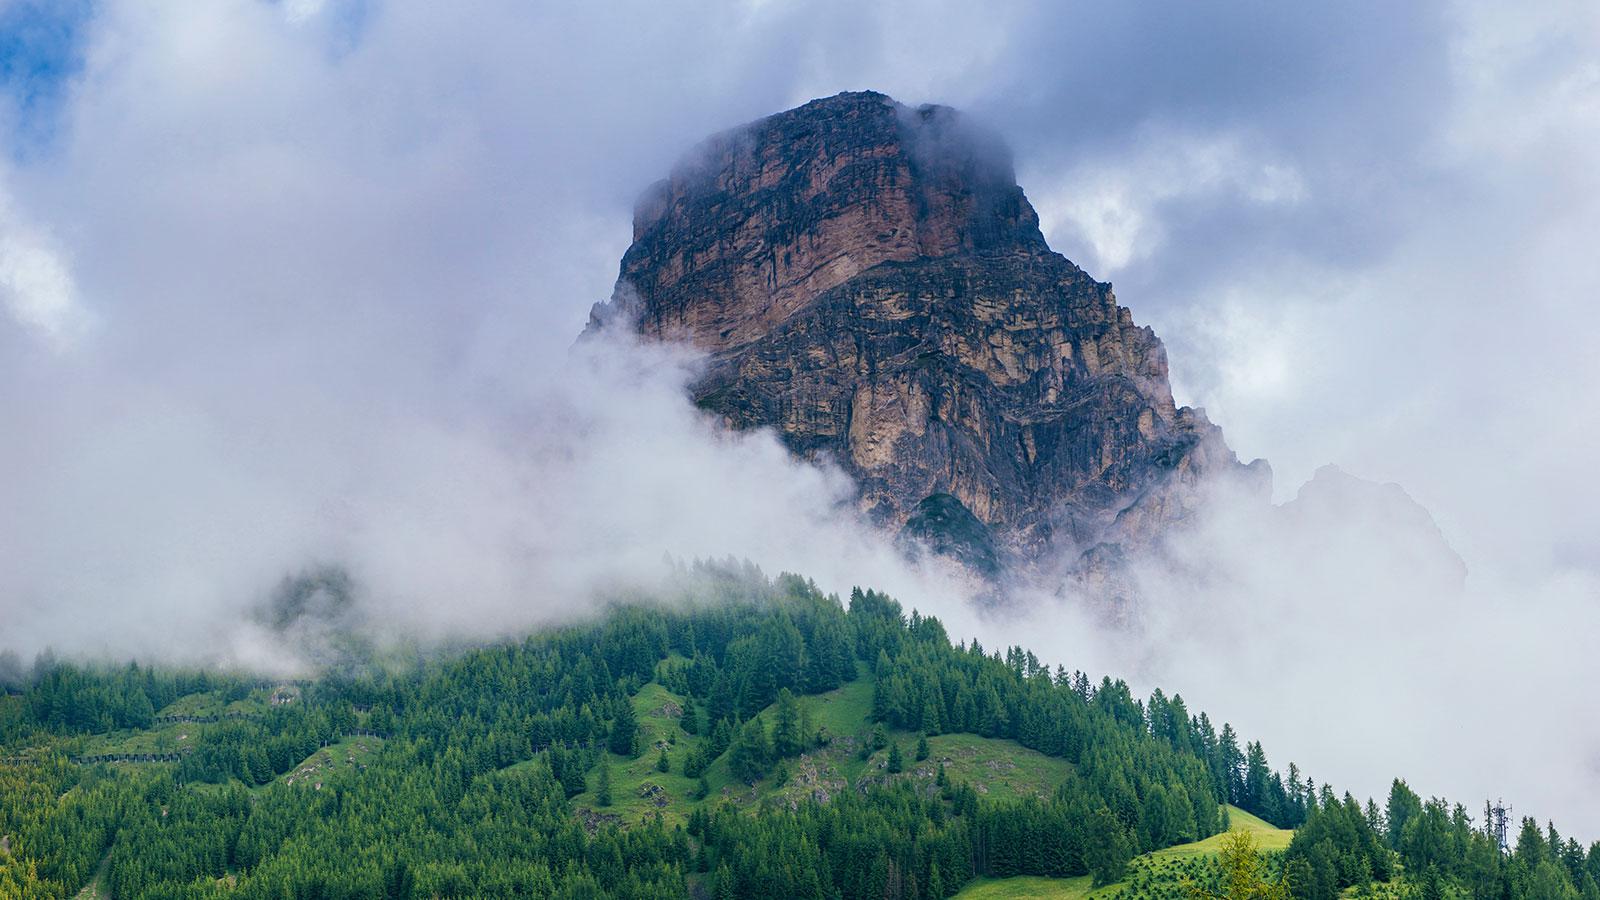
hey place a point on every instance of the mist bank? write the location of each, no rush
(165, 521)
(1340, 627)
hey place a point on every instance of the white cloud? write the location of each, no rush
(1114, 205)
(297, 11)
(36, 286)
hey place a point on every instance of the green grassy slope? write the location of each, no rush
(638, 790)
(333, 761)
(995, 768)
(1162, 865)
(211, 703)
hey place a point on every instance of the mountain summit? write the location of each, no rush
(869, 280)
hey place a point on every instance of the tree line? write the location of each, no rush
(471, 792)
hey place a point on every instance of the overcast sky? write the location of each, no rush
(259, 259)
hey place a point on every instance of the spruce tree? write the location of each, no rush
(897, 763)
(750, 753)
(922, 748)
(602, 791)
(1257, 782)
(624, 730)
(787, 739)
(1228, 768)
(1404, 805)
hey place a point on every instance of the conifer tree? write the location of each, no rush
(1244, 873)
(1229, 766)
(787, 739)
(602, 791)
(750, 753)
(1404, 806)
(624, 730)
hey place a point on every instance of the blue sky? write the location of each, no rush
(39, 50)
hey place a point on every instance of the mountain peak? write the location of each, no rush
(759, 219)
(869, 280)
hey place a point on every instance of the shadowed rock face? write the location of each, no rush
(1392, 533)
(869, 280)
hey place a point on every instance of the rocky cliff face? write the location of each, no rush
(869, 280)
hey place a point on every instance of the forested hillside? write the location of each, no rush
(762, 739)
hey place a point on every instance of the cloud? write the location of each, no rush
(36, 287)
(1340, 628)
(158, 519)
(334, 264)
(1114, 205)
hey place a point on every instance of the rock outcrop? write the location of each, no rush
(869, 280)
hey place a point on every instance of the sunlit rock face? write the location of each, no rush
(868, 280)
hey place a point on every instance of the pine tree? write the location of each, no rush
(398, 881)
(897, 763)
(1228, 767)
(721, 737)
(1404, 805)
(602, 791)
(787, 739)
(1531, 846)
(932, 713)
(750, 753)
(1106, 848)
(922, 748)
(1257, 782)
(624, 730)
(1244, 872)
(663, 764)
(1153, 819)
(1296, 812)
(1432, 886)
(720, 705)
